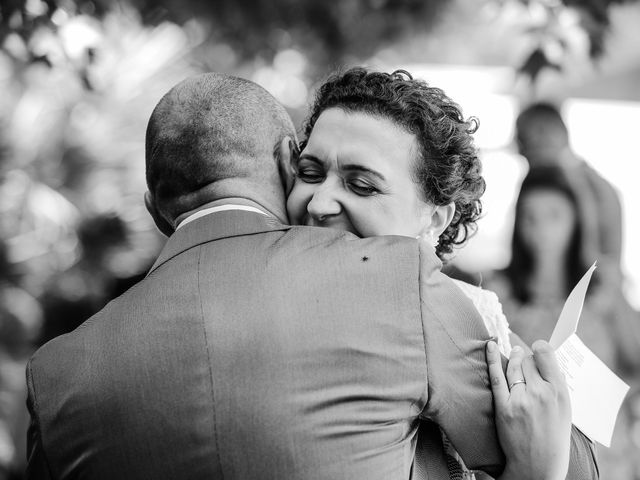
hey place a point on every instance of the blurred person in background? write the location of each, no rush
(549, 256)
(543, 140)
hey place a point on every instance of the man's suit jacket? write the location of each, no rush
(258, 350)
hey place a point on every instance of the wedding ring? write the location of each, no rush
(511, 385)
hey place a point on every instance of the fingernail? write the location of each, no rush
(491, 346)
(516, 349)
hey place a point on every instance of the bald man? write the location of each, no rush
(254, 349)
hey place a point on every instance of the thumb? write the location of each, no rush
(547, 363)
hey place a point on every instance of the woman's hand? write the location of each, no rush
(533, 413)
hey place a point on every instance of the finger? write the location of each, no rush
(530, 372)
(546, 363)
(496, 374)
(514, 368)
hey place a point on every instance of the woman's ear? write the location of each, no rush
(159, 220)
(440, 218)
(286, 162)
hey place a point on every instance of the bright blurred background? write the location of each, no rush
(79, 79)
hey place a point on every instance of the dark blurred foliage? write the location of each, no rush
(536, 62)
(6, 269)
(327, 31)
(331, 29)
(594, 19)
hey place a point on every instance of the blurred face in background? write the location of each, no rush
(547, 220)
(541, 143)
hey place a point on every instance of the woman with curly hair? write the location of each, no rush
(386, 154)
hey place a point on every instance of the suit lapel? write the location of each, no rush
(216, 226)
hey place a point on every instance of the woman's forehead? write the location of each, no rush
(359, 135)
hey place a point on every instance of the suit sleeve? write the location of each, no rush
(582, 460)
(37, 466)
(459, 397)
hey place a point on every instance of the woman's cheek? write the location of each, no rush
(367, 218)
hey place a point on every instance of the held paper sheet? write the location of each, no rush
(596, 392)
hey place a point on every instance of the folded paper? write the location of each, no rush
(596, 392)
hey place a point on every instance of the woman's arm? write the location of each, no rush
(533, 418)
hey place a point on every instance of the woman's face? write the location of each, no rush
(547, 221)
(355, 174)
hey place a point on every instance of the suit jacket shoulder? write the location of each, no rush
(308, 349)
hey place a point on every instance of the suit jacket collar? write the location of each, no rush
(216, 226)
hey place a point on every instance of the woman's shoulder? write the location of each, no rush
(490, 309)
(486, 301)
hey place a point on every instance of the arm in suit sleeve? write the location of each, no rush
(459, 397)
(37, 466)
(582, 460)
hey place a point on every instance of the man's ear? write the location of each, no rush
(286, 162)
(441, 216)
(159, 220)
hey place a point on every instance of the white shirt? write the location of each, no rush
(219, 208)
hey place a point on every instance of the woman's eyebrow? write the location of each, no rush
(362, 168)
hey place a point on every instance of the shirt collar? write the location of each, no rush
(226, 224)
(219, 208)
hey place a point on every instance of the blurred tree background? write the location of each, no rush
(78, 81)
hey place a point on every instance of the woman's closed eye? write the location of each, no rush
(362, 187)
(309, 172)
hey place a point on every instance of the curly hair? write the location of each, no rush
(447, 167)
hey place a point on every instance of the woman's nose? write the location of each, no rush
(324, 202)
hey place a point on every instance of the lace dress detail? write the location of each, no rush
(490, 308)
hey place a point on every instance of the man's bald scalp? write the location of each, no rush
(209, 128)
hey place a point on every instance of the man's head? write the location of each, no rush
(213, 137)
(542, 135)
